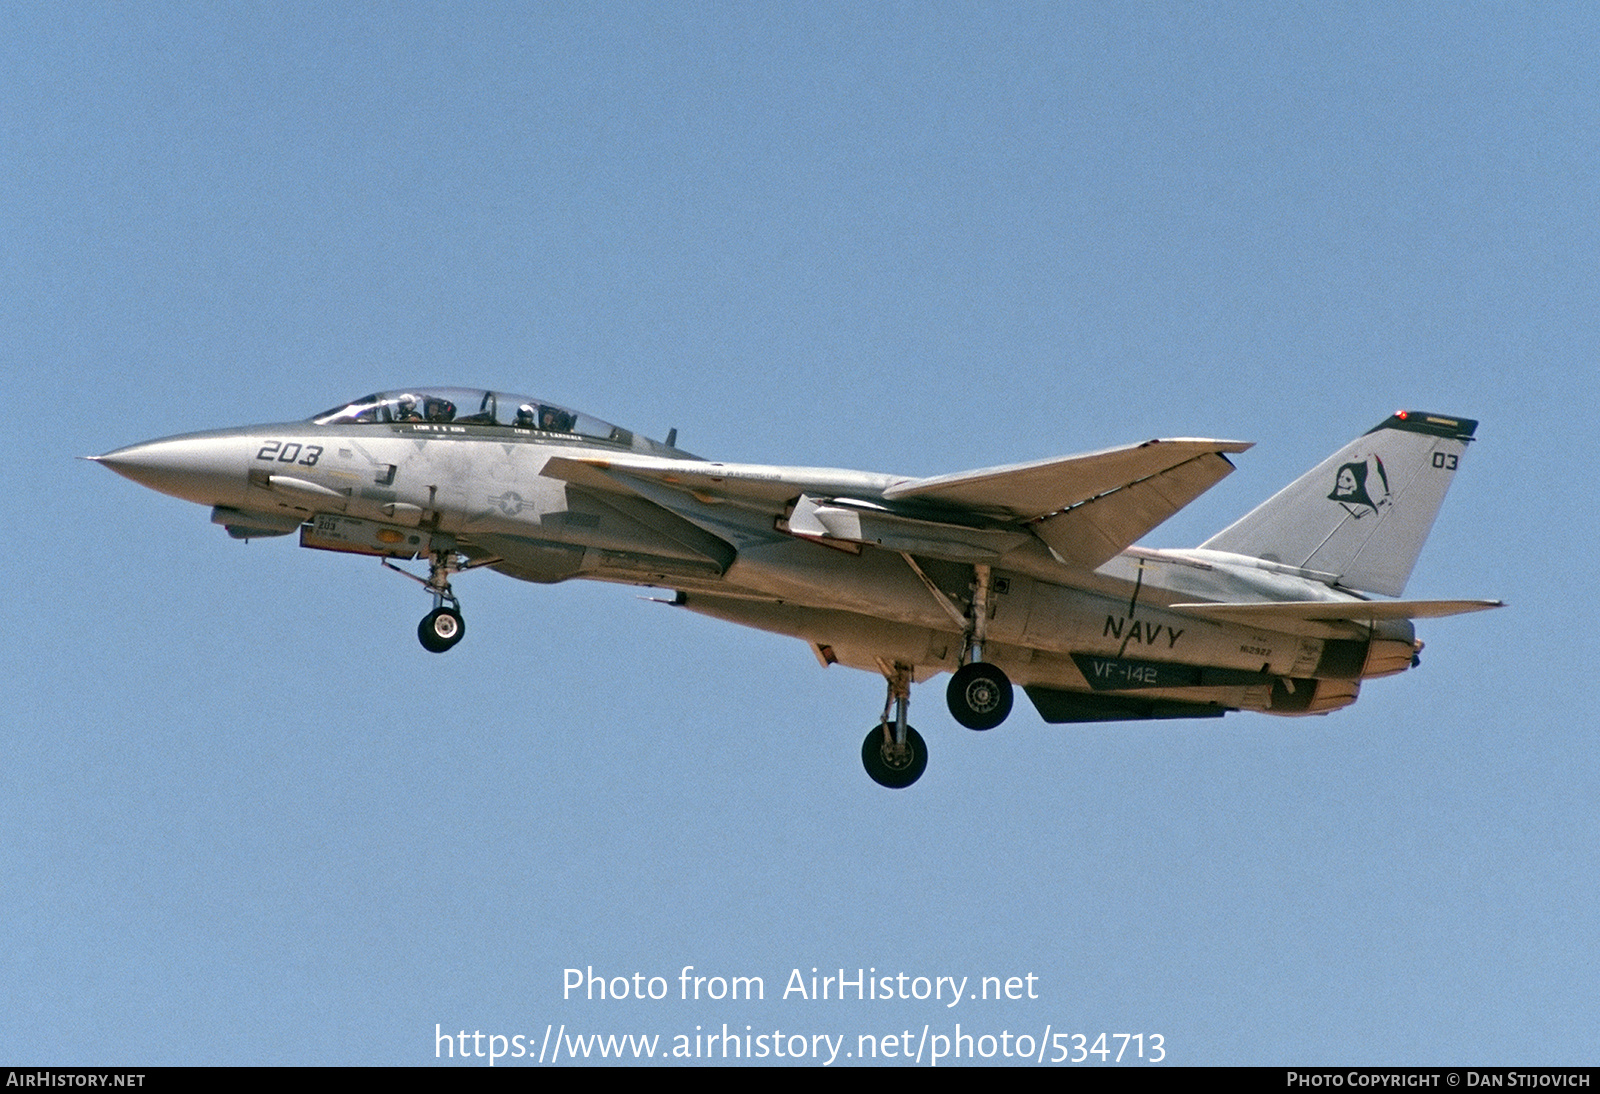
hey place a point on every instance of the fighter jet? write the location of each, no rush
(1024, 574)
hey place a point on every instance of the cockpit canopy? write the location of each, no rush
(475, 407)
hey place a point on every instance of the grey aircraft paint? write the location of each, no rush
(1022, 574)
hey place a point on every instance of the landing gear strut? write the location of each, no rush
(979, 694)
(443, 627)
(893, 753)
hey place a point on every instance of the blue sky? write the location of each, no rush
(244, 818)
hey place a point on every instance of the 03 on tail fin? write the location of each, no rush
(1363, 513)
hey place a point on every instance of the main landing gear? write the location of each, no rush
(979, 694)
(893, 753)
(443, 627)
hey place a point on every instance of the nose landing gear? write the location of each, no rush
(443, 627)
(440, 629)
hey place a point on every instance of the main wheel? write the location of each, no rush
(896, 768)
(979, 696)
(440, 629)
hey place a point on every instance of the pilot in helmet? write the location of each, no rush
(555, 419)
(526, 417)
(405, 409)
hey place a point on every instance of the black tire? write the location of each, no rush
(440, 629)
(979, 695)
(895, 772)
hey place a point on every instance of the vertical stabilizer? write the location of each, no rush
(1364, 512)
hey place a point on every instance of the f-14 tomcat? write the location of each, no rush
(1024, 573)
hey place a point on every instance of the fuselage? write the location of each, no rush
(406, 487)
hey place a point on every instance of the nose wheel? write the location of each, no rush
(440, 629)
(443, 627)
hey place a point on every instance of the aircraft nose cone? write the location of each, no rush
(200, 469)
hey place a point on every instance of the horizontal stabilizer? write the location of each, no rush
(1354, 611)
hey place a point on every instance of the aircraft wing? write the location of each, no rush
(1087, 508)
(1029, 490)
